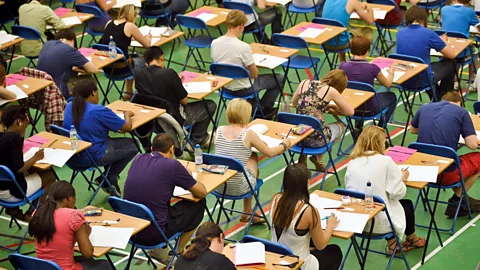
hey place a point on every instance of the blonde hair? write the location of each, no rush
(128, 13)
(235, 18)
(370, 142)
(336, 79)
(239, 112)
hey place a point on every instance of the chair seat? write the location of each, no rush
(311, 151)
(301, 62)
(201, 42)
(375, 236)
(384, 26)
(144, 14)
(33, 197)
(93, 33)
(161, 245)
(246, 195)
(435, 185)
(230, 97)
(256, 30)
(369, 117)
(430, 6)
(294, 9)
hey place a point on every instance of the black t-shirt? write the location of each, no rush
(209, 260)
(162, 83)
(11, 156)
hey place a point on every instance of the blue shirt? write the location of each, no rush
(337, 10)
(96, 122)
(442, 123)
(458, 18)
(57, 59)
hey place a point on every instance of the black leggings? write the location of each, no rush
(329, 258)
(409, 217)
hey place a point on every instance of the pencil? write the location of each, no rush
(288, 133)
(331, 208)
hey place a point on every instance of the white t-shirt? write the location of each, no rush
(250, 17)
(304, 3)
(228, 50)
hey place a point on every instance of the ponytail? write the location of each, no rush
(42, 225)
(82, 90)
(205, 233)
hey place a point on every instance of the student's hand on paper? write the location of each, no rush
(149, 36)
(39, 155)
(333, 221)
(129, 114)
(287, 141)
(405, 175)
(364, 6)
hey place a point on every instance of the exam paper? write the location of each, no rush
(348, 222)
(121, 3)
(260, 129)
(102, 236)
(5, 37)
(435, 53)
(197, 87)
(280, 2)
(321, 203)
(461, 140)
(311, 33)
(71, 20)
(56, 157)
(204, 16)
(377, 15)
(421, 173)
(249, 253)
(268, 61)
(17, 91)
(178, 191)
(154, 31)
(396, 76)
(135, 43)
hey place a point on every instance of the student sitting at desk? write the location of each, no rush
(93, 122)
(15, 119)
(158, 81)
(313, 98)
(341, 10)
(442, 123)
(296, 223)
(98, 24)
(122, 30)
(417, 40)
(59, 58)
(369, 164)
(228, 49)
(236, 141)
(360, 70)
(57, 226)
(175, 7)
(151, 181)
(205, 252)
(37, 15)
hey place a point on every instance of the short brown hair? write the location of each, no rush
(464, 2)
(452, 96)
(235, 18)
(162, 143)
(417, 14)
(336, 79)
(360, 45)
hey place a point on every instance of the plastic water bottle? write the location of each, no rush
(286, 103)
(198, 158)
(112, 48)
(369, 196)
(73, 137)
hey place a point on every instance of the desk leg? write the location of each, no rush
(410, 114)
(139, 148)
(432, 220)
(11, 59)
(358, 252)
(221, 203)
(110, 261)
(171, 53)
(458, 72)
(100, 85)
(364, 259)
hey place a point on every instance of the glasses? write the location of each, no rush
(291, 265)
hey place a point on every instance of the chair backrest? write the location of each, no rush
(96, 11)
(437, 150)
(421, 80)
(364, 87)
(23, 262)
(193, 23)
(297, 119)
(233, 164)
(288, 41)
(60, 130)
(27, 33)
(357, 194)
(453, 34)
(6, 175)
(269, 245)
(332, 22)
(476, 107)
(103, 47)
(246, 8)
(229, 71)
(388, 3)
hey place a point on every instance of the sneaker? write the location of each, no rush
(114, 190)
(160, 254)
(104, 187)
(452, 208)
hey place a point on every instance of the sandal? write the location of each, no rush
(319, 166)
(417, 242)
(16, 213)
(255, 220)
(389, 249)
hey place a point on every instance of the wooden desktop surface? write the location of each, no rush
(221, 82)
(272, 4)
(143, 114)
(270, 259)
(378, 7)
(61, 142)
(457, 44)
(476, 121)
(412, 69)
(101, 59)
(272, 50)
(11, 43)
(32, 85)
(282, 129)
(164, 40)
(210, 180)
(357, 209)
(82, 16)
(356, 98)
(220, 12)
(329, 33)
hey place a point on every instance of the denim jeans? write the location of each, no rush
(271, 16)
(120, 151)
(196, 113)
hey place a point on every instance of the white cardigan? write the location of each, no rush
(386, 179)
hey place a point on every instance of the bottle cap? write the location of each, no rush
(72, 126)
(369, 184)
(197, 146)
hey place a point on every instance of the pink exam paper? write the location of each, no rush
(34, 141)
(400, 154)
(62, 11)
(383, 63)
(403, 150)
(311, 25)
(15, 78)
(86, 51)
(188, 76)
(198, 12)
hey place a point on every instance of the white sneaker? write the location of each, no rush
(160, 254)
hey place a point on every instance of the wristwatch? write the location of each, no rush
(284, 145)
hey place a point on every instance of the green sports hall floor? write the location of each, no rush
(461, 251)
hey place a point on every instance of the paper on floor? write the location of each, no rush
(421, 173)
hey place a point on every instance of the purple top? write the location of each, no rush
(360, 71)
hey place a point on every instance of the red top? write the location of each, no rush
(392, 18)
(60, 248)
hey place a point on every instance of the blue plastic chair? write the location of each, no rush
(381, 236)
(193, 41)
(248, 10)
(430, 6)
(233, 72)
(297, 62)
(141, 211)
(97, 16)
(28, 33)
(6, 175)
(332, 63)
(443, 151)
(293, 10)
(144, 16)
(297, 119)
(384, 36)
(23, 262)
(233, 164)
(269, 245)
(112, 76)
(65, 2)
(476, 107)
(83, 162)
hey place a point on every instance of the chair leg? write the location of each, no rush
(346, 256)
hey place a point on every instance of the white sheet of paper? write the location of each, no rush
(121, 115)
(268, 61)
(349, 222)
(71, 20)
(197, 87)
(311, 33)
(121, 3)
(270, 141)
(178, 191)
(396, 76)
(421, 173)
(249, 253)
(435, 53)
(56, 157)
(89, 58)
(461, 140)
(259, 129)
(154, 31)
(5, 37)
(102, 236)
(135, 43)
(281, 2)
(17, 91)
(321, 203)
(206, 16)
(377, 14)
(474, 30)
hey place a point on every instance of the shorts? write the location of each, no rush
(34, 183)
(469, 164)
